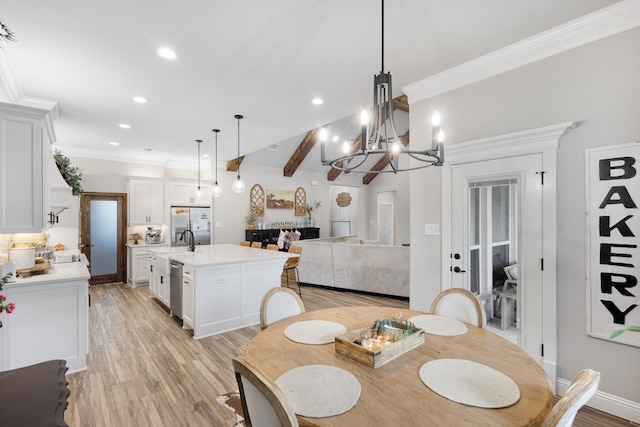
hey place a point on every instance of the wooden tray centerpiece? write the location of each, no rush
(377, 345)
(41, 267)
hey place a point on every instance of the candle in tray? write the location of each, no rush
(372, 341)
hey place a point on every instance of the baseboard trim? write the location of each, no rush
(614, 405)
(355, 291)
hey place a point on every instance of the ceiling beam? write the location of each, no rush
(383, 162)
(401, 103)
(234, 164)
(308, 142)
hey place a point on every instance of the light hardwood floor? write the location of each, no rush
(144, 370)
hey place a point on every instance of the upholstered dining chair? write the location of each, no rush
(244, 243)
(263, 403)
(292, 264)
(279, 303)
(272, 247)
(460, 304)
(256, 245)
(583, 386)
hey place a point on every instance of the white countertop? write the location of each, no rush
(208, 255)
(59, 273)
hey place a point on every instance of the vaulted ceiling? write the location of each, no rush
(266, 60)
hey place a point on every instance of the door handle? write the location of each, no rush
(457, 269)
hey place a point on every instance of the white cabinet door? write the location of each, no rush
(153, 276)
(22, 169)
(137, 266)
(156, 202)
(187, 302)
(163, 288)
(146, 202)
(186, 194)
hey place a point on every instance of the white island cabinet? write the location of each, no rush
(225, 285)
(50, 321)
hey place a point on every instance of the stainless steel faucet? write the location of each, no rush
(192, 246)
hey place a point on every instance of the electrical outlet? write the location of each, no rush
(432, 229)
(218, 224)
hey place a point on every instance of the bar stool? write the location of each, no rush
(244, 243)
(272, 247)
(256, 245)
(292, 264)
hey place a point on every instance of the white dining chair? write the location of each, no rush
(263, 403)
(583, 386)
(279, 303)
(460, 304)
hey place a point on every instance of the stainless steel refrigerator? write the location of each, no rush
(198, 220)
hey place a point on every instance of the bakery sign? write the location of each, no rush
(613, 236)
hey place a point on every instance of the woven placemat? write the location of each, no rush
(470, 383)
(319, 391)
(314, 331)
(439, 325)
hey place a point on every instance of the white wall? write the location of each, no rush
(597, 85)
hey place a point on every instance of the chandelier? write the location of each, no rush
(379, 138)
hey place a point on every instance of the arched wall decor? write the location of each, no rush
(300, 202)
(256, 199)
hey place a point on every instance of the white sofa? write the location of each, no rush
(346, 263)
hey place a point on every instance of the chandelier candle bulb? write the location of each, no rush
(364, 120)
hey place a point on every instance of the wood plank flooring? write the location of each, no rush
(144, 370)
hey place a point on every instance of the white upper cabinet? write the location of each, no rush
(184, 193)
(146, 202)
(23, 169)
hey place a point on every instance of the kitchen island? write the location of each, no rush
(50, 320)
(223, 286)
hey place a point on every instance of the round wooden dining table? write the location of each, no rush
(393, 394)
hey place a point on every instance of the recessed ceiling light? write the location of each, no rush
(148, 150)
(113, 143)
(335, 138)
(167, 53)
(273, 147)
(139, 100)
(317, 101)
(124, 126)
(205, 155)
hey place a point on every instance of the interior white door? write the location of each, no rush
(385, 224)
(523, 170)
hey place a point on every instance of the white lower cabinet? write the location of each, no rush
(138, 264)
(35, 332)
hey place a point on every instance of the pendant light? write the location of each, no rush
(199, 192)
(216, 191)
(238, 184)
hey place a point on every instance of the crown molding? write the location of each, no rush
(53, 112)
(513, 144)
(597, 25)
(141, 158)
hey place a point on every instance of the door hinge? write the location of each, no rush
(542, 350)
(541, 173)
(541, 263)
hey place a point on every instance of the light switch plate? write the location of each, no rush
(432, 229)
(218, 224)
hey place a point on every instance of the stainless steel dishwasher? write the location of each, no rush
(175, 291)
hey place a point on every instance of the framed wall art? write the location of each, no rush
(279, 199)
